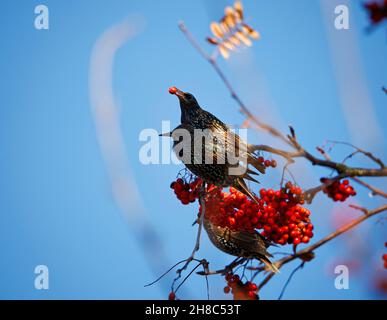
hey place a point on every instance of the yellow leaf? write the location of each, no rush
(250, 31)
(254, 34)
(224, 26)
(230, 20)
(212, 41)
(223, 51)
(239, 10)
(216, 30)
(228, 45)
(234, 39)
(241, 36)
(229, 11)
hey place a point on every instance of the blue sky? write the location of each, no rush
(56, 204)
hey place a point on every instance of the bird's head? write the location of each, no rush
(188, 104)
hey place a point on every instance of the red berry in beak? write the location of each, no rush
(172, 90)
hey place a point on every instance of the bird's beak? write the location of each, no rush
(180, 94)
(165, 134)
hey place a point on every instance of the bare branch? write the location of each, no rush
(366, 153)
(375, 191)
(200, 227)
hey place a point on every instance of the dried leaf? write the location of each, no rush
(235, 41)
(241, 36)
(212, 41)
(229, 11)
(254, 34)
(230, 21)
(216, 30)
(223, 51)
(250, 31)
(228, 44)
(239, 10)
(224, 26)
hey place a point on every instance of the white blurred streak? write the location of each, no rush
(359, 113)
(106, 115)
(111, 141)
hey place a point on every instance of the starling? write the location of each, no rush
(218, 141)
(218, 156)
(239, 243)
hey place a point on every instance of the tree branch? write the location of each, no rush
(374, 190)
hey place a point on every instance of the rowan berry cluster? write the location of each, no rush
(186, 192)
(283, 219)
(278, 213)
(240, 290)
(267, 163)
(376, 10)
(337, 190)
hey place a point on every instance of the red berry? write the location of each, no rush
(253, 287)
(296, 241)
(226, 289)
(172, 90)
(338, 197)
(172, 296)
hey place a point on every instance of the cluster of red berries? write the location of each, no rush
(376, 10)
(240, 290)
(338, 191)
(186, 192)
(267, 163)
(385, 257)
(284, 220)
(279, 213)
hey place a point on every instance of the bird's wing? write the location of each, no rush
(234, 141)
(253, 242)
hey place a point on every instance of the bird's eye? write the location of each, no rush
(188, 96)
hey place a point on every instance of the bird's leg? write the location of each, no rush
(227, 269)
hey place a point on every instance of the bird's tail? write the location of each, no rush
(269, 265)
(242, 187)
(253, 159)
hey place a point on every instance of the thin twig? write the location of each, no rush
(165, 273)
(289, 279)
(237, 262)
(200, 227)
(374, 190)
(359, 150)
